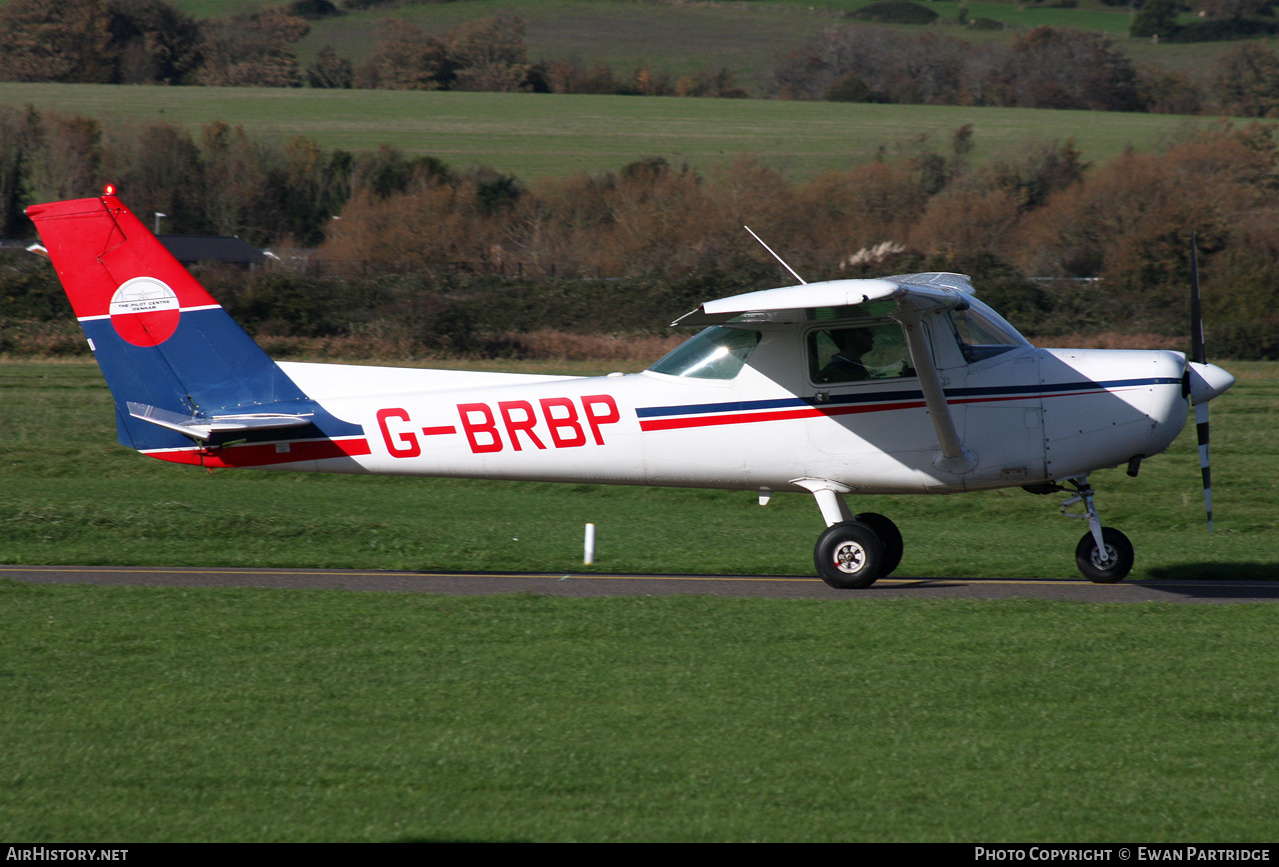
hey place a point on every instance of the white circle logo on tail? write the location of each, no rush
(145, 311)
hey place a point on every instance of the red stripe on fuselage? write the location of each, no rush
(776, 415)
(813, 412)
(265, 454)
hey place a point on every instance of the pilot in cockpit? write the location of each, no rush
(847, 365)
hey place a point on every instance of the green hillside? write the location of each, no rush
(549, 134)
(745, 36)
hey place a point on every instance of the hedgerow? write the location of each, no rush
(428, 259)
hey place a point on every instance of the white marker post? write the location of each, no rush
(589, 555)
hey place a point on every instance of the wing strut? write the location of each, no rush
(954, 458)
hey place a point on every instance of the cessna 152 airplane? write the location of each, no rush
(901, 385)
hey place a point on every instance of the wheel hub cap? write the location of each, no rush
(1103, 559)
(850, 558)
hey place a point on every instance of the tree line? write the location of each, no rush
(422, 255)
(1045, 67)
(152, 42)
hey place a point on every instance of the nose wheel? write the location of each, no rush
(1104, 555)
(1107, 564)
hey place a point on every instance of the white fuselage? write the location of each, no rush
(1027, 415)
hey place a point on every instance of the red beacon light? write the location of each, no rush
(109, 190)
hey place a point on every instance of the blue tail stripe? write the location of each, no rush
(208, 366)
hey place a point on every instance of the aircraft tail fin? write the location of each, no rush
(176, 362)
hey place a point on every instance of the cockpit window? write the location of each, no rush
(716, 353)
(837, 355)
(982, 333)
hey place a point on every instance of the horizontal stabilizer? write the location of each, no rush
(203, 428)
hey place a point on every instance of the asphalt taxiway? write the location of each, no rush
(596, 584)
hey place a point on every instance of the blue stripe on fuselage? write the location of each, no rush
(1000, 391)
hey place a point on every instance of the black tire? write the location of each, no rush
(849, 556)
(888, 533)
(1118, 562)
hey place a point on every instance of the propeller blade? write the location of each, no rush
(1196, 308)
(1200, 356)
(1205, 467)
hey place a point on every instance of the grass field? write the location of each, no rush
(554, 135)
(135, 714)
(153, 714)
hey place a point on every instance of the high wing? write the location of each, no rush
(909, 292)
(904, 297)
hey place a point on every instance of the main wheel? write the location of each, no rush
(849, 556)
(888, 533)
(1106, 567)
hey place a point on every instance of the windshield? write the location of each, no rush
(983, 333)
(716, 353)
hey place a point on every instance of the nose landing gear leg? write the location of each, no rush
(1104, 555)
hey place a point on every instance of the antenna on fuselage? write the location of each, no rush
(775, 256)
